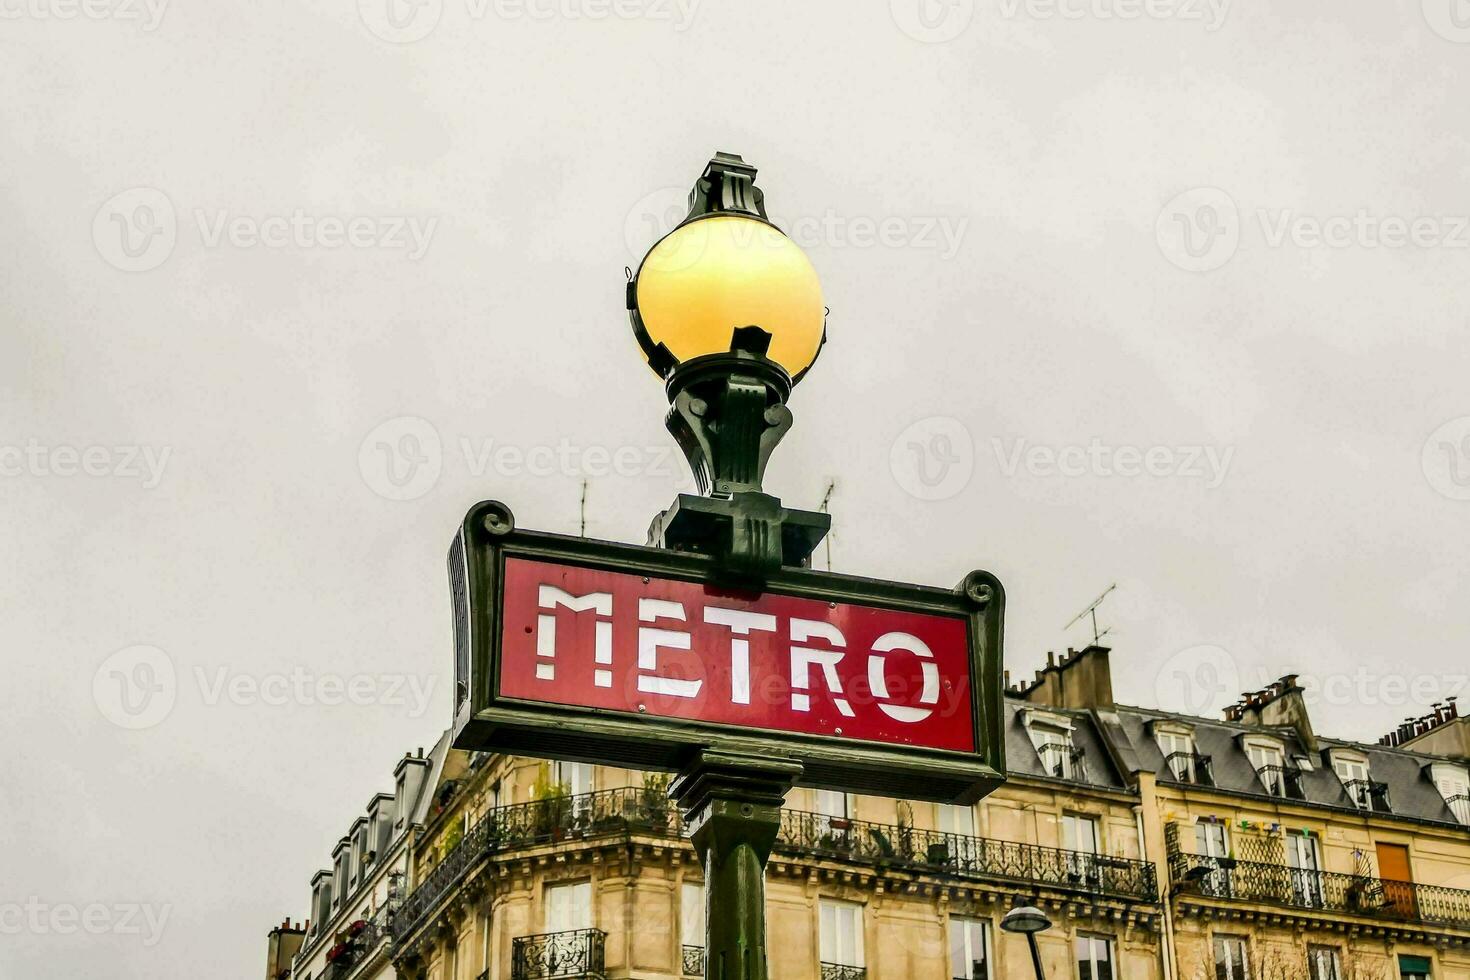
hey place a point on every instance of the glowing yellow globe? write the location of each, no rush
(712, 275)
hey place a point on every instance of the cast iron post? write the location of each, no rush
(733, 803)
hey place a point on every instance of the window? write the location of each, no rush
(576, 776)
(1267, 760)
(1054, 747)
(835, 811)
(360, 859)
(842, 933)
(1306, 869)
(1094, 957)
(340, 874)
(1230, 959)
(1353, 771)
(1178, 749)
(1211, 839)
(1413, 968)
(1324, 963)
(569, 906)
(969, 949)
(956, 820)
(691, 917)
(1454, 786)
(399, 789)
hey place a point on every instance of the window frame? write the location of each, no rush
(1222, 943)
(1109, 945)
(966, 928)
(852, 912)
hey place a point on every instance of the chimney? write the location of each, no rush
(1281, 703)
(1081, 679)
(282, 944)
(1444, 731)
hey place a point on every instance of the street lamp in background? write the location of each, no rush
(729, 313)
(1029, 920)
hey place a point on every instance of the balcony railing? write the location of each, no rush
(963, 856)
(635, 810)
(1368, 794)
(1283, 781)
(574, 953)
(839, 971)
(1324, 891)
(356, 944)
(1459, 805)
(587, 815)
(693, 961)
(1190, 767)
(1063, 760)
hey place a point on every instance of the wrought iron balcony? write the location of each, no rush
(1282, 781)
(355, 944)
(693, 961)
(1459, 805)
(586, 815)
(574, 953)
(1063, 760)
(1324, 891)
(1368, 794)
(1190, 767)
(838, 971)
(964, 856)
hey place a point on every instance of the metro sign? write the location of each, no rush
(609, 653)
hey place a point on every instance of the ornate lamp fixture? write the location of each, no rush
(729, 312)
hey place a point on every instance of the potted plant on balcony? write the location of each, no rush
(653, 802)
(553, 805)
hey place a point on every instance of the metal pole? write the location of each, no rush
(733, 803)
(1035, 956)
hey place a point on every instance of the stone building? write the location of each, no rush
(1161, 846)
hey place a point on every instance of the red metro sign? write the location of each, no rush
(610, 653)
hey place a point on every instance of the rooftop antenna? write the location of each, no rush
(827, 499)
(1091, 610)
(584, 506)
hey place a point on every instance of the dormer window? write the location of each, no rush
(1051, 734)
(1352, 769)
(361, 852)
(1454, 785)
(1182, 762)
(341, 873)
(1269, 762)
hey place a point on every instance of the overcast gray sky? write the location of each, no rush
(1172, 297)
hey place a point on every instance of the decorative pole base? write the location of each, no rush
(733, 802)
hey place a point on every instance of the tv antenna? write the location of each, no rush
(1091, 610)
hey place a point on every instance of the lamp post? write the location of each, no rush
(1029, 920)
(729, 313)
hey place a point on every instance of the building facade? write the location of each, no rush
(1161, 846)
